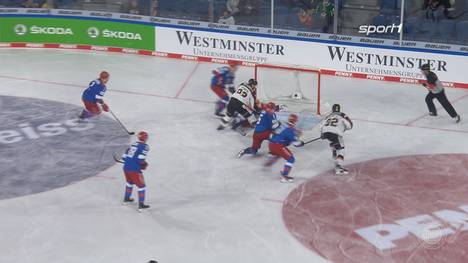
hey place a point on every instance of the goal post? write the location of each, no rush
(298, 87)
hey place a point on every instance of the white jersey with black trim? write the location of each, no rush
(245, 95)
(336, 123)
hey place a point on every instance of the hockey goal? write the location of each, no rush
(297, 87)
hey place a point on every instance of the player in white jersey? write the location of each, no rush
(333, 128)
(241, 102)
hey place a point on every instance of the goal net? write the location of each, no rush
(297, 87)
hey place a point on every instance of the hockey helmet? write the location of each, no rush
(252, 82)
(336, 108)
(104, 75)
(270, 106)
(425, 66)
(292, 119)
(142, 136)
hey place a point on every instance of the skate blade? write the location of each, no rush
(286, 180)
(341, 172)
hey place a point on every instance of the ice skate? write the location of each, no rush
(127, 201)
(142, 206)
(340, 170)
(286, 179)
(241, 153)
(219, 114)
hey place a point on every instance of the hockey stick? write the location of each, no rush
(313, 140)
(117, 159)
(120, 123)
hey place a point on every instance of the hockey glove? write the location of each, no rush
(105, 107)
(143, 165)
(425, 85)
(231, 88)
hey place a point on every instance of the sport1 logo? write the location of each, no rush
(93, 32)
(21, 29)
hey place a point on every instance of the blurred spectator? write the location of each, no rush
(249, 11)
(306, 13)
(29, 4)
(133, 8)
(289, 3)
(226, 18)
(436, 9)
(310, 4)
(233, 6)
(154, 7)
(326, 9)
(305, 17)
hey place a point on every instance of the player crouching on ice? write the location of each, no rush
(242, 102)
(93, 95)
(134, 162)
(266, 124)
(278, 147)
(332, 129)
(223, 79)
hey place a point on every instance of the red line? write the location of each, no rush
(416, 119)
(204, 101)
(438, 108)
(111, 90)
(187, 80)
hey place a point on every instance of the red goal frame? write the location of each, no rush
(294, 68)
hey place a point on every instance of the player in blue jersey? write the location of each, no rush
(278, 147)
(134, 162)
(223, 79)
(93, 97)
(265, 126)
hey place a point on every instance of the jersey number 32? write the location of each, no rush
(331, 122)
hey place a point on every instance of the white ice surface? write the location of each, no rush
(207, 206)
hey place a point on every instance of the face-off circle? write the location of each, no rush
(44, 146)
(400, 209)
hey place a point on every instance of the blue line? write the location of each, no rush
(271, 36)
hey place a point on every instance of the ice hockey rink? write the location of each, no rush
(209, 206)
